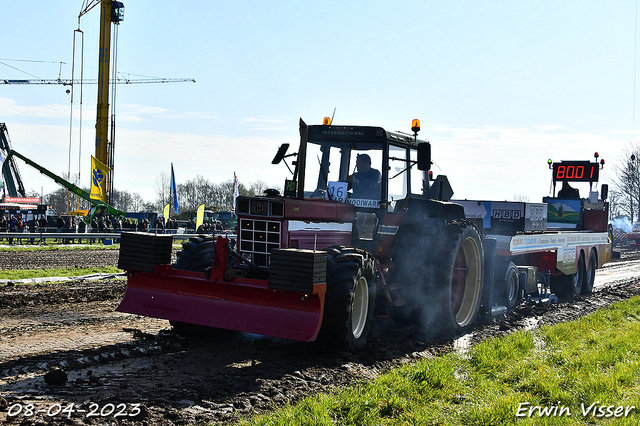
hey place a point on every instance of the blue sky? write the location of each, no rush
(500, 86)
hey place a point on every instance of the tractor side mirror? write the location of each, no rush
(604, 191)
(280, 154)
(424, 156)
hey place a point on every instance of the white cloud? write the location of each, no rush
(495, 162)
(10, 108)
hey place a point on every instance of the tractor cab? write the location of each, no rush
(361, 181)
(367, 167)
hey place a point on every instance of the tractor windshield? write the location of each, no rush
(345, 172)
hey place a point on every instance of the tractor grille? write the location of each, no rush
(258, 238)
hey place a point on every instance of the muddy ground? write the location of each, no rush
(120, 368)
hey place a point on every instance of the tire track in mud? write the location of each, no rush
(120, 358)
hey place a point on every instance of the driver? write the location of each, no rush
(366, 181)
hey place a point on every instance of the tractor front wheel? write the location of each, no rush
(349, 300)
(196, 255)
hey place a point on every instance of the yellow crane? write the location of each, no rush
(111, 14)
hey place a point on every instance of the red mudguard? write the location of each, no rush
(240, 304)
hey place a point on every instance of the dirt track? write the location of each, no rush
(124, 360)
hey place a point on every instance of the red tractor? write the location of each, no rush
(360, 227)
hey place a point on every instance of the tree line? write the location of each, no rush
(191, 194)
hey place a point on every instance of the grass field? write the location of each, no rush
(19, 274)
(578, 373)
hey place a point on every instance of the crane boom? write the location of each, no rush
(98, 206)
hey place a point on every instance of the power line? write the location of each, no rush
(120, 80)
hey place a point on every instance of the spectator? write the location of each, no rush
(42, 224)
(102, 228)
(160, 225)
(94, 229)
(72, 227)
(13, 227)
(20, 227)
(3, 224)
(82, 228)
(32, 227)
(65, 229)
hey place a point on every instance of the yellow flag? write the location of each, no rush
(199, 216)
(99, 174)
(165, 213)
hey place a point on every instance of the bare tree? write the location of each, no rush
(627, 184)
(163, 190)
(57, 200)
(257, 187)
(138, 203)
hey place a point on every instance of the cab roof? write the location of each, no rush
(368, 134)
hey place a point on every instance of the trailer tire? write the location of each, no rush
(560, 285)
(454, 288)
(349, 300)
(578, 279)
(590, 276)
(512, 294)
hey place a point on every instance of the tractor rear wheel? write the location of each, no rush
(349, 300)
(454, 286)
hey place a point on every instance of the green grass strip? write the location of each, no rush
(577, 373)
(55, 246)
(19, 274)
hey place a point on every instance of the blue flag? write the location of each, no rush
(174, 190)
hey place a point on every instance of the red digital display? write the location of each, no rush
(576, 171)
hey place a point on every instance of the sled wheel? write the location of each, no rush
(349, 301)
(455, 285)
(513, 294)
(579, 277)
(590, 276)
